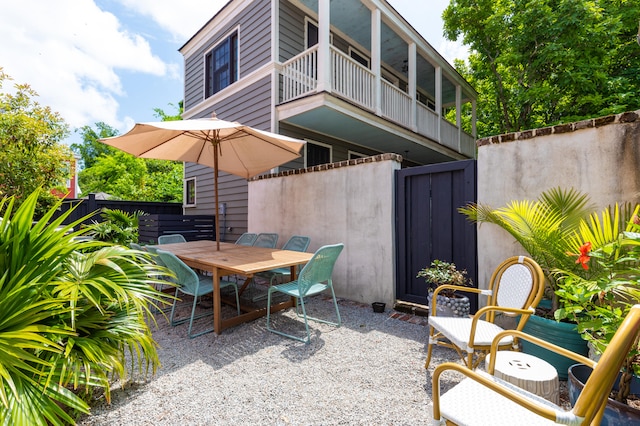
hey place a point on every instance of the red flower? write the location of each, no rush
(584, 258)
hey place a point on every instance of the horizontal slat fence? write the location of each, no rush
(192, 227)
(84, 207)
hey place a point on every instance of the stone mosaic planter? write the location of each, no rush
(452, 306)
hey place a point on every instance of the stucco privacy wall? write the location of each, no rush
(600, 157)
(349, 202)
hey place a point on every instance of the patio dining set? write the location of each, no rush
(205, 267)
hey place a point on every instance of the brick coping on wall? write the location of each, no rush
(625, 117)
(329, 166)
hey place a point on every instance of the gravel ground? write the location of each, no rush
(370, 371)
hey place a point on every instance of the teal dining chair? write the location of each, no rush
(295, 243)
(267, 240)
(246, 239)
(314, 278)
(193, 284)
(171, 238)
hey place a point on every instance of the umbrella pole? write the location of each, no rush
(215, 186)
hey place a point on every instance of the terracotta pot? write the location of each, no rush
(616, 413)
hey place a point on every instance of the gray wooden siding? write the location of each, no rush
(254, 46)
(251, 106)
(292, 33)
(340, 148)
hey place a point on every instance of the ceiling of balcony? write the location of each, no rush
(330, 116)
(353, 19)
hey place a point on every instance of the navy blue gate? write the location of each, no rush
(429, 227)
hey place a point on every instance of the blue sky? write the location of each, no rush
(116, 60)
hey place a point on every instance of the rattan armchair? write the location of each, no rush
(482, 399)
(515, 288)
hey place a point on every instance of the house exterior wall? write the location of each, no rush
(345, 202)
(339, 148)
(291, 31)
(600, 157)
(250, 106)
(254, 50)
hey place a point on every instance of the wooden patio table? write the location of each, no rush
(237, 259)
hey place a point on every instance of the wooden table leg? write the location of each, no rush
(217, 306)
(245, 284)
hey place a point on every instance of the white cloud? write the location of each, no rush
(451, 50)
(71, 52)
(182, 19)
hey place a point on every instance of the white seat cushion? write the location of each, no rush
(457, 330)
(470, 403)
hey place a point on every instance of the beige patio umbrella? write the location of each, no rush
(222, 145)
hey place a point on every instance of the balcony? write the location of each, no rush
(359, 86)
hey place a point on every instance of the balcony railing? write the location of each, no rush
(356, 83)
(396, 104)
(300, 74)
(352, 80)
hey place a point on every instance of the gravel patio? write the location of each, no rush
(369, 371)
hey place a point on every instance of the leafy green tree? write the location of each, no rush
(90, 149)
(122, 175)
(126, 177)
(536, 63)
(70, 311)
(31, 153)
(163, 116)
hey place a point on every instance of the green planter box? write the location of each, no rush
(559, 333)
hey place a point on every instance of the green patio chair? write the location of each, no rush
(267, 240)
(314, 278)
(171, 238)
(193, 284)
(295, 243)
(246, 239)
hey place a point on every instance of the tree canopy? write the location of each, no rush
(122, 175)
(536, 63)
(32, 156)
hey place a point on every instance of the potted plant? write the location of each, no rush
(597, 300)
(558, 222)
(448, 301)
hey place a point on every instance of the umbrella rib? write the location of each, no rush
(241, 132)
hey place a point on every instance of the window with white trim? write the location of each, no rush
(353, 155)
(360, 58)
(311, 33)
(221, 65)
(317, 153)
(189, 195)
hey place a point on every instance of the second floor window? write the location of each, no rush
(221, 65)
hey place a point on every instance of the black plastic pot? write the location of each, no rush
(616, 413)
(378, 307)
